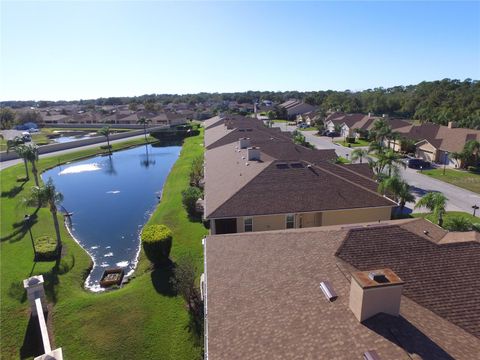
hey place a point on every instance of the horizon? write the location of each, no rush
(128, 49)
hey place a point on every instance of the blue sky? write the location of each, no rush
(73, 50)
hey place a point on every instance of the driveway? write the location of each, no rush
(458, 199)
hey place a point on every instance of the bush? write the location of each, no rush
(157, 242)
(189, 199)
(458, 224)
(45, 248)
(350, 140)
(474, 169)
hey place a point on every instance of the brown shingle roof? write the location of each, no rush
(264, 302)
(444, 278)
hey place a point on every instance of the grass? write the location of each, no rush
(280, 121)
(143, 320)
(310, 128)
(448, 216)
(342, 160)
(358, 142)
(464, 179)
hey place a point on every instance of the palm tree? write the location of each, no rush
(21, 152)
(30, 153)
(144, 122)
(359, 154)
(13, 143)
(391, 160)
(398, 188)
(436, 203)
(105, 131)
(47, 195)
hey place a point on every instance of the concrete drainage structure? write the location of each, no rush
(38, 304)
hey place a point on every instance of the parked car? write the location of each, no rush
(418, 163)
(332, 134)
(302, 126)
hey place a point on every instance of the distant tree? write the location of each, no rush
(29, 116)
(133, 106)
(143, 121)
(436, 203)
(7, 118)
(105, 131)
(149, 105)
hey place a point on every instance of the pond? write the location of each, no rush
(111, 198)
(65, 139)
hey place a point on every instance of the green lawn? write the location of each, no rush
(357, 143)
(143, 320)
(310, 128)
(342, 160)
(448, 215)
(464, 179)
(280, 121)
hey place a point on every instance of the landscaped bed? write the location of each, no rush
(143, 320)
(461, 178)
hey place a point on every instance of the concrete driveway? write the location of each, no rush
(458, 199)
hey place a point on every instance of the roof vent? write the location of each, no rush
(371, 355)
(244, 143)
(282, 165)
(296, 165)
(253, 153)
(373, 292)
(328, 291)
(426, 232)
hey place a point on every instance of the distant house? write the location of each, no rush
(349, 123)
(309, 118)
(296, 107)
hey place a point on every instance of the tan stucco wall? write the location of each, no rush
(427, 152)
(352, 216)
(264, 223)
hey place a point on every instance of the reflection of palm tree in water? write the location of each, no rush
(146, 162)
(110, 168)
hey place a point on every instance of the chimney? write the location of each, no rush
(253, 153)
(452, 124)
(373, 292)
(244, 143)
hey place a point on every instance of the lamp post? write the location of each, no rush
(445, 159)
(26, 221)
(475, 208)
(346, 155)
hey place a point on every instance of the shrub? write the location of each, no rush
(351, 140)
(189, 199)
(474, 169)
(157, 242)
(45, 248)
(458, 224)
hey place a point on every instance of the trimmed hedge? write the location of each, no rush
(157, 243)
(351, 140)
(45, 248)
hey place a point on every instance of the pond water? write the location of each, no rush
(111, 198)
(65, 139)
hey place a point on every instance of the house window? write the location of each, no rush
(248, 224)
(290, 221)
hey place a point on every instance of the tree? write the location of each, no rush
(17, 140)
(47, 195)
(359, 154)
(105, 131)
(458, 224)
(189, 199)
(143, 121)
(399, 189)
(22, 151)
(436, 203)
(183, 283)
(30, 152)
(390, 160)
(196, 171)
(7, 118)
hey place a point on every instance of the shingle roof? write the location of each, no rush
(444, 278)
(264, 302)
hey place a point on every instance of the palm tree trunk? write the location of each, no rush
(26, 168)
(108, 143)
(145, 131)
(53, 210)
(35, 173)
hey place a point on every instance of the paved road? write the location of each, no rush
(6, 164)
(459, 199)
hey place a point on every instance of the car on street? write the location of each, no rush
(332, 134)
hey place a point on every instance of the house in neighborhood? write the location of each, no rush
(392, 290)
(257, 179)
(296, 107)
(309, 118)
(349, 123)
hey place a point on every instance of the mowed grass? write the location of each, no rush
(143, 320)
(448, 216)
(357, 143)
(461, 178)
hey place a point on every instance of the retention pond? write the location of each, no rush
(111, 198)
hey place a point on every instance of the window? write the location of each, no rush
(290, 221)
(248, 224)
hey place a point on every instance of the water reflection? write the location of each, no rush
(146, 161)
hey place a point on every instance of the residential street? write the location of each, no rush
(459, 199)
